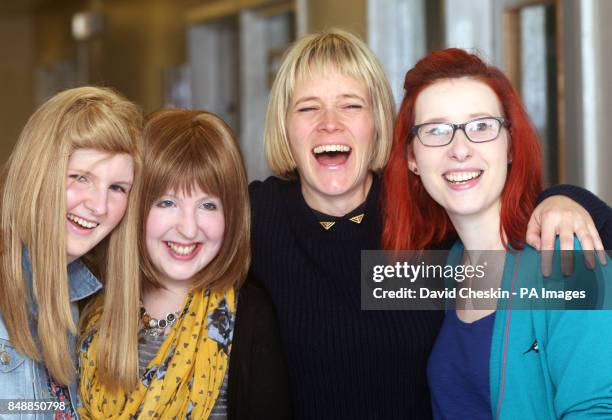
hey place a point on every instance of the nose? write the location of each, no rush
(97, 201)
(329, 120)
(460, 148)
(187, 225)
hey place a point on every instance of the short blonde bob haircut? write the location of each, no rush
(322, 53)
(33, 217)
(185, 149)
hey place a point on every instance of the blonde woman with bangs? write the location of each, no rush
(328, 134)
(194, 234)
(66, 195)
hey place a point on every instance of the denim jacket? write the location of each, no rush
(23, 378)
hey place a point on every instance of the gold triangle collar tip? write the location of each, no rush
(357, 219)
(327, 225)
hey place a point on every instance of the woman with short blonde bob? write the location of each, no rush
(194, 230)
(65, 190)
(328, 134)
(319, 54)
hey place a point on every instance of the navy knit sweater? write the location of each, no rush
(344, 363)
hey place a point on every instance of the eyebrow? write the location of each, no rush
(122, 183)
(352, 96)
(342, 96)
(92, 175)
(203, 197)
(209, 197)
(470, 117)
(82, 171)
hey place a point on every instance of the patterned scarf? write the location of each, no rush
(182, 380)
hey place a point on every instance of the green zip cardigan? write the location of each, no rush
(551, 364)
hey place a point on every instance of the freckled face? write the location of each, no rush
(331, 133)
(184, 234)
(97, 189)
(463, 177)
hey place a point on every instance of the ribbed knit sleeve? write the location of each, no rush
(344, 362)
(599, 211)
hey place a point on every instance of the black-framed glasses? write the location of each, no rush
(480, 130)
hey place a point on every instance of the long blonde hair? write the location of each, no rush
(33, 215)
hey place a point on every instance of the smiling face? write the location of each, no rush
(183, 234)
(331, 134)
(465, 178)
(97, 189)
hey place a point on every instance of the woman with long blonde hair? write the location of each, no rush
(65, 190)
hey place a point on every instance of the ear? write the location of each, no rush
(412, 165)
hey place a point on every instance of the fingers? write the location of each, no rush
(533, 232)
(562, 216)
(547, 242)
(588, 245)
(597, 244)
(590, 241)
(566, 240)
(588, 250)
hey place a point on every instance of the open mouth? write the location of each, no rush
(331, 154)
(81, 223)
(183, 250)
(459, 178)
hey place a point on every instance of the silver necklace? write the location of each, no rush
(156, 327)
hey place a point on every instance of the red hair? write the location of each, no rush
(411, 218)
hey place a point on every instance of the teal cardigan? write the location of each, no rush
(551, 364)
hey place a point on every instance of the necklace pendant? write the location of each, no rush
(156, 327)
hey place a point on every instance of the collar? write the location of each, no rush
(81, 282)
(354, 216)
(307, 221)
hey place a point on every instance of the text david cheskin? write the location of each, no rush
(412, 272)
(458, 273)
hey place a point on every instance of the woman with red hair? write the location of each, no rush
(466, 161)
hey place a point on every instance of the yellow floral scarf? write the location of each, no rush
(182, 380)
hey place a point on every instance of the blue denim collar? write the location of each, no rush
(81, 282)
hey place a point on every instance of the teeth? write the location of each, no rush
(182, 250)
(331, 148)
(462, 176)
(82, 222)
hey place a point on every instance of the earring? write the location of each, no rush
(415, 170)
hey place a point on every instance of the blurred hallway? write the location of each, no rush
(221, 55)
